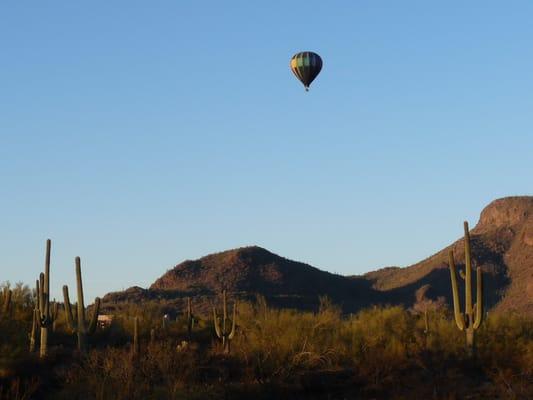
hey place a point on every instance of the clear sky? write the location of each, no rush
(139, 134)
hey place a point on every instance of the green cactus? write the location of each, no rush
(46, 315)
(471, 319)
(6, 303)
(136, 344)
(55, 313)
(79, 325)
(426, 329)
(191, 319)
(221, 326)
(34, 328)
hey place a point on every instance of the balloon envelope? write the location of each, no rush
(306, 66)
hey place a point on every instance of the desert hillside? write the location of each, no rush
(502, 245)
(249, 271)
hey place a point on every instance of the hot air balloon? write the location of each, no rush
(306, 66)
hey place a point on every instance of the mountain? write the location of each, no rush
(502, 245)
(249, 271)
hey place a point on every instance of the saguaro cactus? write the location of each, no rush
(55, 313)
(471, 319)
(34, 327)
(190, 318)
(6, 303)
(136, 344)
(426, 329)
(46, 315)
(222, 326)
(79, 325)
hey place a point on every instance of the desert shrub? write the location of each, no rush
(158, 371)
(381, 351)
(273, 342)
(16, 325)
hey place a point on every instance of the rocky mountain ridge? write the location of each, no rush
(502, 245)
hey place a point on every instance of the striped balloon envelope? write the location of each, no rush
(306, 66)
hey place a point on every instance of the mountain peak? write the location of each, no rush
(254, 270)
(506, 212)
(236, 269)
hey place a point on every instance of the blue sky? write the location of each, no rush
(138, 135)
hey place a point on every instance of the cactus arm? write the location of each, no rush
(232, 333)
(41, 299)
(459, 319)
(479, 299)
(34, 327)
(81, 306)
(94, 319)
(43, 303)
(45, 285)
(224, 312)
(216, 321)
(38, 300)
(468, 277)
(46, 288)
(55, 310)
(55, 313)
(44, 278)
(68, 309)
(38, 293)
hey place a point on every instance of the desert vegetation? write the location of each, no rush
(381, 352)
(249, 349)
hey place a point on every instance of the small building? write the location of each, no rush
(104, 320)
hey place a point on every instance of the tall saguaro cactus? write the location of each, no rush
(136, 347)
(222, 326)
(45, 314)
(471, 319)
(190, 318)
(79, 324)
